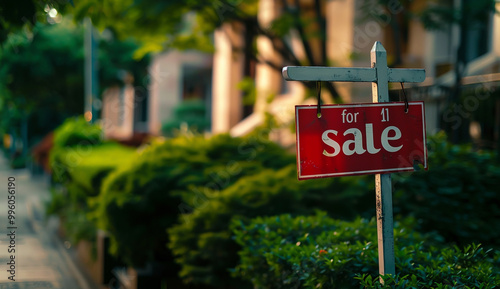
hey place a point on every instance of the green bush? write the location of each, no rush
(87, 166)
(80, 173)
(141, 200)
(77, 132)
(19, 162)
(204, 235)
(451, 167)
(192, 113)
(459, 196)
(79, 162)
(72, 140)
(320, 252)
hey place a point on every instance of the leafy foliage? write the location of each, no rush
(158, 23)
(161, 25)
(14, 15)
(41, 77)
(116, 58)
(457, 196)
(79, 162)
(189, 113)
(146, 197)
(77, 132)
(204, 235)
(320, 252)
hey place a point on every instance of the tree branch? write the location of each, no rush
(300, 29)
(279, 44)
(322, 30)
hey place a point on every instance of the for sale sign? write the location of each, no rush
(356, 139)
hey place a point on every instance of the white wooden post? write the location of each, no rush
(380, 75)
(383, 183)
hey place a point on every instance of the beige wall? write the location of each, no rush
(118, 112)
(165, 83)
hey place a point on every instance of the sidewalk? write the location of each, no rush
(40, 257)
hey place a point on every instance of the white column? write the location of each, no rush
(227, 72)
(267, 79)
(496, 31)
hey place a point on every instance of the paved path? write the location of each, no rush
(41, 259)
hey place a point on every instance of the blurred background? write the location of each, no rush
(152, 134)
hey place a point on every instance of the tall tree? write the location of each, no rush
(41, 75)
(42, 78)
(393, 14)
(14, 15)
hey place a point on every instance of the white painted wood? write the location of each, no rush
(380, 76)
(405, 75)
(383, 184)
(350, 74)
(380, 87)
(385, 224)
(317, 73)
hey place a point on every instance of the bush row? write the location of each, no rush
(204, 235)
(459, 196)
(79, 161)
(176, 203)
(320, 252)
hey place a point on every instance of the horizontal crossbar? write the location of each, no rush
(350, 74)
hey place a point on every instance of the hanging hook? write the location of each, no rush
(405, 98)
(318, 94)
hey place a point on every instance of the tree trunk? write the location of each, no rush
(460, 133)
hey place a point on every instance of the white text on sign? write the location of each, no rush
(358, 137)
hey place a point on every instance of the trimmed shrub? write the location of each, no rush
(458, 197)
(141, 200)
(191, 113)
(320, 252)
(452, 169)
(203, 245)
(89, 166)
(72, 141)
(80, 178)
(77, 132)
(79, 162)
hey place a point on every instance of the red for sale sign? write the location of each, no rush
(356, 139)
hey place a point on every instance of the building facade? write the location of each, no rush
(352, 26)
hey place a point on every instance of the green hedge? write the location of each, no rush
(72, 141)
(320, 252)
(79, 162)
(459, 196)
(77, 132)
(191, 113)
(87, 167)
(140, 201)
(81, 175)
(204, 235)
(177, 199)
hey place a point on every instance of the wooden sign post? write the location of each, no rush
(380, 75)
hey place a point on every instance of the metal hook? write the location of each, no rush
(405, 98)
(318, 94)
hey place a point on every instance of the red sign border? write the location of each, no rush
(354, 173)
